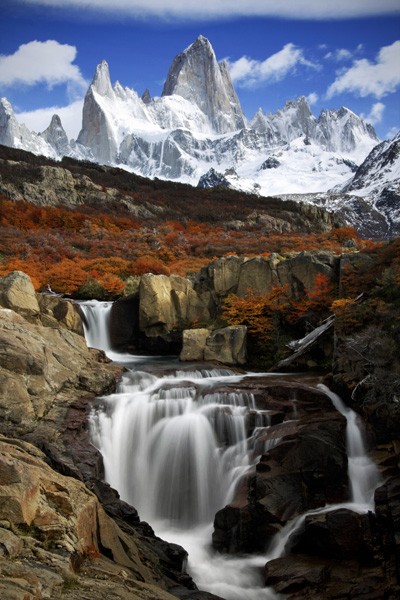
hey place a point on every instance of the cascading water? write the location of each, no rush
(176, 447)
(96, 324)
(364, 478)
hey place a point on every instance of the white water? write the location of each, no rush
(176, 448)
(96, 326)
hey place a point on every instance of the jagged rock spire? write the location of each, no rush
(55, 135)
(146, 98)
(196, 76)
(101, 81)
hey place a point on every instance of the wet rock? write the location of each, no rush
(243, 529)
(304, 468)
(340, 534)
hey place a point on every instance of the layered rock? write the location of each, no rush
(65, 539)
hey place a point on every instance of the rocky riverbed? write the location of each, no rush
(65, 533)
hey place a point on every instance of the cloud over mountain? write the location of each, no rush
(41, 62)
(365, 78)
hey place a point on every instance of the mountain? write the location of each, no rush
(196, 76)
(198, 124)
(377, 180)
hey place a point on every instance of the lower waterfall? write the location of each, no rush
(176, 447)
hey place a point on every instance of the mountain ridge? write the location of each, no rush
(198, 124)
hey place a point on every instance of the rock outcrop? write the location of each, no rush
(306, 470)
(237, 275)
(226, 345)
(166, 302)
(18, 294)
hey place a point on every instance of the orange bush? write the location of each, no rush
(66, 277)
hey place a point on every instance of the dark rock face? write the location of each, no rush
(270, 163)
(212, 179)
(306, 470)
(340, 534)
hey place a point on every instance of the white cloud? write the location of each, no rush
(365, 78)
(339, 54)
(41, 62)
(38, 120)
(247, 72)
(375, 115)
(312, 98)
(209, 9)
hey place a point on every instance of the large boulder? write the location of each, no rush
(339, 534)
(166, 302)
(56, 312)
(194, 344)
(303, 466)
(227, 345)
(18, 294)
(37, 364)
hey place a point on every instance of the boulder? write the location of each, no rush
(39, 363)
(166, 302)
(62, 529)
(18, 294)
(194, 344)
(303, 466)
(227, 345)
(56, 312)
(339, 534)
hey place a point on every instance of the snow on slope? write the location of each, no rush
(198, 125)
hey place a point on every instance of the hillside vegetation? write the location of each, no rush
(86, 230)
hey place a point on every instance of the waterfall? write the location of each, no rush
(364, 478)
(96, 324)
(191, 444)
(364, 475)
(177, 446)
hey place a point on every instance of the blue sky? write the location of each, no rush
(342, 53)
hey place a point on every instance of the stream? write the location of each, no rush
(176, 448)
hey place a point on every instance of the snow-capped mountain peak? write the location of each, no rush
(55, 135)
(196, 76)
(198, 127)
(101, 81)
